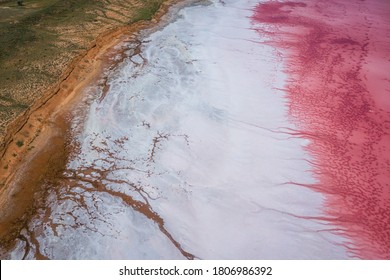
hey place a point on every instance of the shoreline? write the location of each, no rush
(36, 148)
(166, 143)
(347, 119)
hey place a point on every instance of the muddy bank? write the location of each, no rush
(36, 149)
(40, 42)
(183, 153)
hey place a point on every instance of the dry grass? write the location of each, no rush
(38, 40)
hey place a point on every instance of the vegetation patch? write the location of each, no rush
(19, 143)
(41, 37)
(147, 12)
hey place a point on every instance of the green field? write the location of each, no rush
(38, 40)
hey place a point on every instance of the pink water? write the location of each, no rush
(337, 57)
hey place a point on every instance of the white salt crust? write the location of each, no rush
(205, 93)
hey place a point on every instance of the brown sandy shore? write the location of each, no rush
(44, 132)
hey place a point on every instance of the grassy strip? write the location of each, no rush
(39, 39)
(147, 12)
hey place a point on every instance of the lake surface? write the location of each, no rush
(190, 150)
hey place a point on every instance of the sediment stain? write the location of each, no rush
(32, 171)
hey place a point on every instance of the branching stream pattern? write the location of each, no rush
(203, 142)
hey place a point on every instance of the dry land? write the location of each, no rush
(49, 51)
(42, 40)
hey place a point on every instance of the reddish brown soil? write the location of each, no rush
(44, 134)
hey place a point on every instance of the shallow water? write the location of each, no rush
(336, 56)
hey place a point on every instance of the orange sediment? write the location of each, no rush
(37, 148)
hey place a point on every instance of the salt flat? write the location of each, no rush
(184, 154)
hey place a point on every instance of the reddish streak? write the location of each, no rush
(337, 56)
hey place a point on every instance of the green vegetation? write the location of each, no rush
(39, 39)
(28, 34)
(19, 143)
(147, 12)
